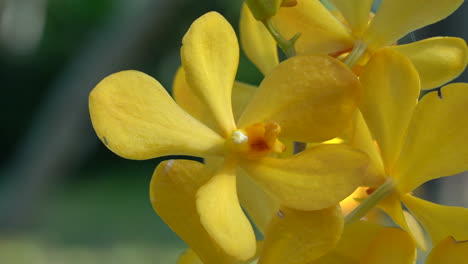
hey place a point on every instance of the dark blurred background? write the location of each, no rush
(65, 198)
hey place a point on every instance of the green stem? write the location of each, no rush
(370, 202)
(286, 45)
(356, 54)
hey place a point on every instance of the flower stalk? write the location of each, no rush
(370, 202)
(287, 46)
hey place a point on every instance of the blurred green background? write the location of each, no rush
(65, 198)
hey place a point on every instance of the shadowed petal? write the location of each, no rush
(299, 181)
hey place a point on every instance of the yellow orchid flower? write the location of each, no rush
(417, 142)
(450, 251)
(290, 234)
(135, 118)
(438, 60)
(368, 243)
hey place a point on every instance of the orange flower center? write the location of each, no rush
(256, 141)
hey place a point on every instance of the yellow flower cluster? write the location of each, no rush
(345, 79)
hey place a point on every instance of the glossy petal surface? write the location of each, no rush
(437, 60)
(439, 221)
(222, 216)
(396, 18)
(449, 251)
(298, 181)
(210, 56)
(436, 139)
(255, 201)
(297, 237)
(136, 119)
(321, 32)
(257, 43)
(356, 13)
(390, 92)
(312, 98)
(172, 191)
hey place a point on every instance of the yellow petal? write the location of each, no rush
(258, 204)
(173, 189)
(189, 257)
(449, 251)
(353, 245)
(396, 18)
(257, 43)
(321, 32)
(222, 216)
(391, 246)
(136, 118)
(392, 206)
(415, 230)
(299, 181)
(187, 99)
(356, 13)
(297, 237)
(438, 60)
(390, 92)
(359, 137)
(210, 56)
(242, 93)
(436, 145)
(439, 221)
(312, 98)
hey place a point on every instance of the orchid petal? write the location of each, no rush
(312, 98)
(298, 181)
(210, 56)
(437, 60)
(135, 118)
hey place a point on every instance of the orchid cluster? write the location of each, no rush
(340, 119)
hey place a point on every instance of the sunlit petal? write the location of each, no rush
(257, 43)
(321, 32)
(396, 18)
(259, 205)
(390, 92)
(438, 60)
(210, 56)
(436, 145)
(299, 181)
(173, 189)
(222, 216)
(449, 251)
(356, 13)
(312, 98)
(439, 221)
(297, 237)
(415, 230)
(136, 118)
